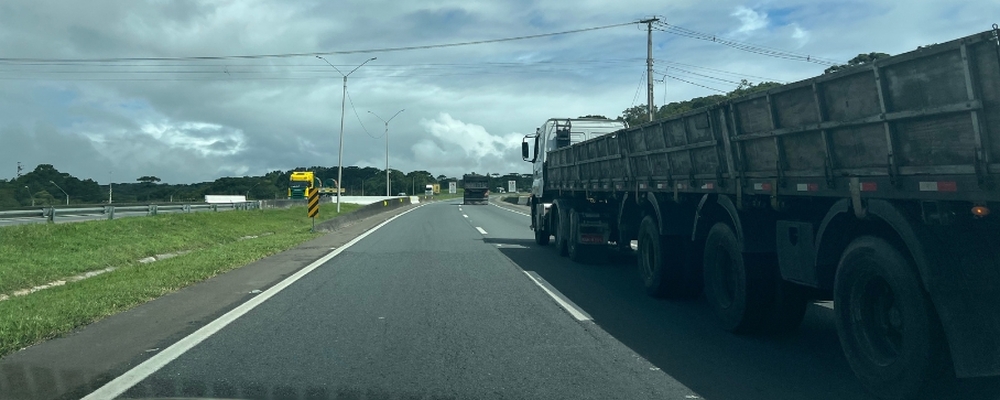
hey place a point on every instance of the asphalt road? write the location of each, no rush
(425, 307)
(439, 304)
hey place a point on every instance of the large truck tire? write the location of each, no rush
(541, 235)
(561, 231)
(887, 325)
(746, 290)
(662, 264)
(733, 286)
(582, 253)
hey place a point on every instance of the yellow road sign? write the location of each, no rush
(313, 204)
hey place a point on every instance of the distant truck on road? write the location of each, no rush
(301, 184)
(476, 188)
(872, 187)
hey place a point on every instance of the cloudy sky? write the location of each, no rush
(100, 86)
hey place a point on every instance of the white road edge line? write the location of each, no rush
(553, 293)
(135, 375)
(480, 230)
(466, 216)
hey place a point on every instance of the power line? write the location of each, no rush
(695, 84)
(720, 71)
(310, 54)
(747, 47)
(636, 97)
(359, 117)
(705, 76)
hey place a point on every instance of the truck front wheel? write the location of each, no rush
(886, 323)
(561, 231)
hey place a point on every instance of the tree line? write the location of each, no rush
(45, 186)
(638, 115)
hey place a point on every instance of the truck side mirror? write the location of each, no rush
(524, 151)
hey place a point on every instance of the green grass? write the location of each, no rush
(36, 254)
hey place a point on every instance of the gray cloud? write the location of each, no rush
(466, 107)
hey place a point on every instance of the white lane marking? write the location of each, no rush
(480, 230)
(827, 304)
(135, 375)
(510, 210)
(466, 216)
(573, 310)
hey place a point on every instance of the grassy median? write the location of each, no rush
(32, 255)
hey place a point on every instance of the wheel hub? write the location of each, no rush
(726, 280)
(879, 322)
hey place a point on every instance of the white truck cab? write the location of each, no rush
(558, 133)
(554, 134)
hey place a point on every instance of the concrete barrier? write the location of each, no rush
(362, 213)
(523, 200)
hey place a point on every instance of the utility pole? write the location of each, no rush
(649, 65)
(109, 187)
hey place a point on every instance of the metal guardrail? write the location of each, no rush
(50, 213)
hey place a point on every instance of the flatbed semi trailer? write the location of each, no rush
(872, 187)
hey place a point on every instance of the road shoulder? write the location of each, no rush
(77, 363)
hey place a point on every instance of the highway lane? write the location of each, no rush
(682, 338)
(426, 307)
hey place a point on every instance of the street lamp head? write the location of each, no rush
(373, 59)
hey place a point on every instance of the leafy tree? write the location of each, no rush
(637, 115)
(43, 197)
(595, 116)
(860, 59)
(148, 179)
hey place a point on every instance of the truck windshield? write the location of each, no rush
(298, 184)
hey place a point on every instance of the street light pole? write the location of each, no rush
(30, 195)
(386, 134)
(247, 197)
(61, 190)
(343, 99)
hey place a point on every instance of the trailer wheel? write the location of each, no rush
(662, 264)
(561, 231)
(731, 286)
(886, 323)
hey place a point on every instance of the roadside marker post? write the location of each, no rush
(313, 208)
